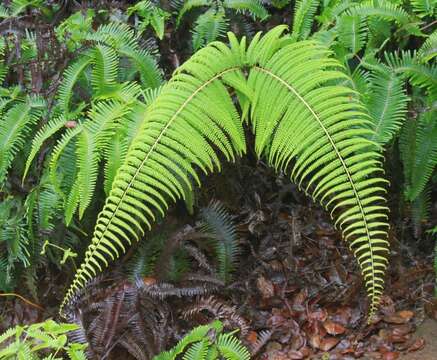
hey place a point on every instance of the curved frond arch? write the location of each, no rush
(304, 121)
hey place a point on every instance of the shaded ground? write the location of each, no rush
(427, 331)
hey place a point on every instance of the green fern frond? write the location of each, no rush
(15, 125)
(382, 9)
(4, 13)
(425, 154)
(155, 166)
(18, 6)
(420, 209)
(57, 152)
(145, 64)
(254, 7)
(304, 11)
(217, 223)
(47, 131)
(324, 128)
(188, 5)
(231, 348)
(424, 7)
(209, 27)
(48, 204)
(70, 78)
(115, 35)
(115, 153)
(421, 75)
(428, 50)
(92, 143)
(387, 104)
(198, 334)
(352, 32)
(197, 351)
(105, 71)
(297, 114)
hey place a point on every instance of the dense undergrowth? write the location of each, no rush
(127, 106)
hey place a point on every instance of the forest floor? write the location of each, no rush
(297, 291)
(427, 331)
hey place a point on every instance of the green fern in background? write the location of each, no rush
(13, 241)
(214, 22)
(149, 15)
(110, 101)
(387, 104)
(33, 342)
(207, 342)
(217, 224)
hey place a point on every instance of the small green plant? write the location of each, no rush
(214, 231)
(46, 340)
(207, 342)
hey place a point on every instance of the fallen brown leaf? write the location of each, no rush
(402, 329)
(328, 343)
(406, 314)
(395, 319)
(417, 345)
(390, 355)
(333, 328)
(295, 355)
(252, 337)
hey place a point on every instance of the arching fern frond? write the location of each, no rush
(303, 19)
(92, 143)
(231, 348)
(207, 342)
(352, 32)
(424, 155)
(189, 5)
(160, 158)
(71, 76)
(303, 123)
(424, 7)
(254, 7)
(104, 75)
(386, 103)
(380, 8)
(209, 27)
(421, 75)
(319, 124)
(15, 125)
(428, 50)
(48, 130)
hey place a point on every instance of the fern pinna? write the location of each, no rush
(305, 124)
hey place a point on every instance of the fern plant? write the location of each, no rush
(94, 133)
(13, 241)
(33, 342)
(147, 14)
(304, 123)
(207, 342)
(214, 22)
(165, 255)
